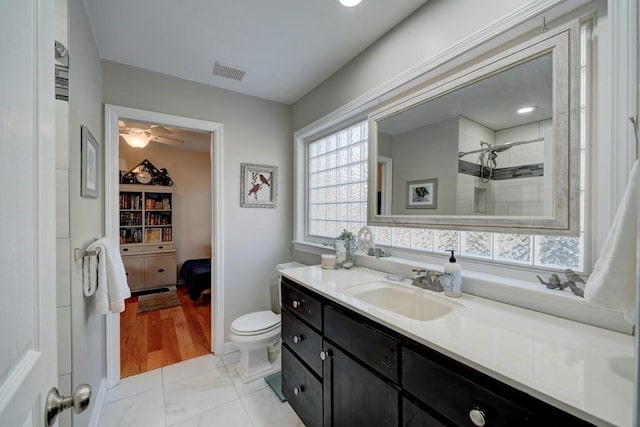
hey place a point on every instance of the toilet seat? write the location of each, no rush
(257, 323)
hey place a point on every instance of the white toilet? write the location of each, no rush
(257, 336)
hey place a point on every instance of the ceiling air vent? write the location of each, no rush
(228, 72)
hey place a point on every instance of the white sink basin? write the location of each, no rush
(413, 303)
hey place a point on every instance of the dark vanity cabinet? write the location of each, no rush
(342, 369)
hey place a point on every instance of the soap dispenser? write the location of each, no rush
(452, 277)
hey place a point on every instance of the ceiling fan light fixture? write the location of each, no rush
(349, 3)
(136, 138)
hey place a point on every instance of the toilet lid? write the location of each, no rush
(255, 323)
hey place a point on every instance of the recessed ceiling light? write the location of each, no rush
(525, 110)
(350, 3)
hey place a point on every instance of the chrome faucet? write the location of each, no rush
(427, 279)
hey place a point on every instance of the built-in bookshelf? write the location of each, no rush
(146, 214)
(146, 235)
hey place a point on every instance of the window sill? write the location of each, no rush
(508, 285)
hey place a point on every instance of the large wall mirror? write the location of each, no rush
(492, 147)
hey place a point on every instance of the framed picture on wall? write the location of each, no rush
(258, 186)
(422, 194)
(90, 164)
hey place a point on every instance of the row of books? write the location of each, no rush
(152, 204)
(131, 235)
(167, 234)
(163, 218)
(130, 201)
(130, 218)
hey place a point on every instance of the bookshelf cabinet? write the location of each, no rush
(146, 235)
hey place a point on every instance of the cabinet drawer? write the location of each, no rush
(302, 304)
(134, 267)
(302, 390)
(302, 340)
(373, 347)
(160, 270)
(454, 396)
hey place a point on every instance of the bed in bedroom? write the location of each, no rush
(196, 275)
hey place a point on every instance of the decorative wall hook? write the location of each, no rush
(544, 28)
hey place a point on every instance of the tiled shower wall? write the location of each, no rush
(63, 242)
(504, 196)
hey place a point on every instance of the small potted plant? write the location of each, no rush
(348, 241)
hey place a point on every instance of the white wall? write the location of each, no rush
(255, 131)
(431, 29)
(190, 172)
(85, 215)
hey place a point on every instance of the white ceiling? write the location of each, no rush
(286, 47)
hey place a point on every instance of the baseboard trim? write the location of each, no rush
(98, 403)
(229, 347)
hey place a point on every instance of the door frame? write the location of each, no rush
(112, 114)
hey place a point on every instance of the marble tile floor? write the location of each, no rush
(205, 391)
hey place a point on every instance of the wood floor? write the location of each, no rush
(159, 338)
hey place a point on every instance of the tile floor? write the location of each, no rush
(205, 391)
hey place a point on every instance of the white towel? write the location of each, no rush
(613, 281)
(112, 287)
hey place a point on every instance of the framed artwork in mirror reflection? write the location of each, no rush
(422, 194)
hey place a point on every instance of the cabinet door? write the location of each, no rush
(302, 390)
(160, 270)
(134, 267)
(355, 396)
(415, 416)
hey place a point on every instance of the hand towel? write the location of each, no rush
(112, 287)
(613, 281)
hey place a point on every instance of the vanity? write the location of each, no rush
(362, 350)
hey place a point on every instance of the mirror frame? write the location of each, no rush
(563, 44)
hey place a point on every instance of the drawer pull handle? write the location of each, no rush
(161, 270)
(298, 390)
(125, 250)
(296, 304)
(324, 355)
(160, 247)
(298, 338)
(477, 417)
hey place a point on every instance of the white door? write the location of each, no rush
(27, 211)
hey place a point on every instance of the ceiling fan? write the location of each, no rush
(138, 135)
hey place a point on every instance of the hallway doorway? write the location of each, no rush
(142, 340)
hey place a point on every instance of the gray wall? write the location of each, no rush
(86, 215)
(426, 153)
(255, 131)
(431, 29)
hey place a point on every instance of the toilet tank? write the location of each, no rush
(276, 303)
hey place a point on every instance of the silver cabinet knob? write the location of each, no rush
(55, 403)
(298, 338)
(296, 304)
(298, 390)
(324, 355)
(477, 417)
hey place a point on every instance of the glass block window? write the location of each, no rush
(337, 182)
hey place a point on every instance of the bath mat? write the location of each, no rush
(275, 382)
(157, 301)
(148, 292)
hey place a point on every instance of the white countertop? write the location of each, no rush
(584, 370)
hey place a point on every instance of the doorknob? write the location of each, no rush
(55, 403)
